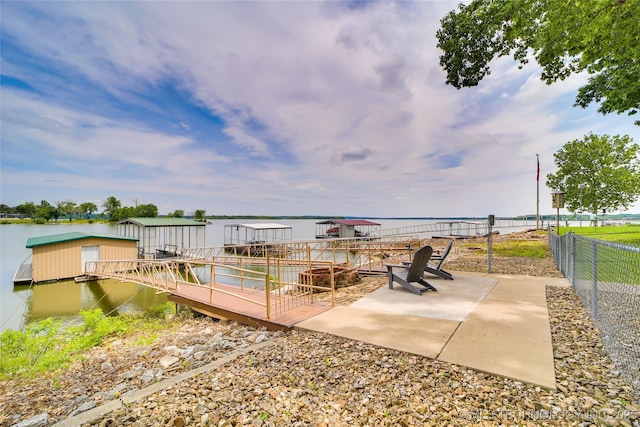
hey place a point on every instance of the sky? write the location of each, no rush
(272, 108)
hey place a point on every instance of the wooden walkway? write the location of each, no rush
(246, 306)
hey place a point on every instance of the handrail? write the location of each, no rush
(169, 275)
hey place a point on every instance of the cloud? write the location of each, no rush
(270, 108)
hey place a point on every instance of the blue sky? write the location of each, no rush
(271, 108)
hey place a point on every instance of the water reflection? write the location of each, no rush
(64, 298)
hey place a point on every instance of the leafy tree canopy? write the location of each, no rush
(67, 207)
(87, 208)
(28, 208)
(200, 215)
(111, 205)
(597, 172)
(140, 211)
(564, 36)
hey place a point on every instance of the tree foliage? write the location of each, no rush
(178, 213)
(200, 215)
(140, 211)
(110, 205)
(564, 36)
(28, 208)
(47, 212)
(67, 207)
(607, 168)
(87, 209)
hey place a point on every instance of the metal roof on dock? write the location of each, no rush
(164, 222)
(261, 226)
(33, 242)
(348, 222)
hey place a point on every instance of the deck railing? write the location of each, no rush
(454, 228)
(349, 252)
(284, 270)
(284, 285)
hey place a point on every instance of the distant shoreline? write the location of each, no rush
(546, 217)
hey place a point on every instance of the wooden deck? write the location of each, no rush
(246, 306)
(24, 275)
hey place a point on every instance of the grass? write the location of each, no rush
(625, 234)
(524, 248)
(539, 248)
(48, 346)
(521, 248)
(613, 265)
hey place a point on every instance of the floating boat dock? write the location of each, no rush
(274, 294)
(24, 274)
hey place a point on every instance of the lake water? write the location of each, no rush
(20, 305)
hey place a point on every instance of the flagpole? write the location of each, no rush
(538, 193)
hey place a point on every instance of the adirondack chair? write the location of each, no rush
(439, 259)
(406, 275)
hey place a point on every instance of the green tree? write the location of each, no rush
(5, 209)
(67, 207)
(607, 168)
(28, 208)
(87, 209)
(146, 211)
(200, 215)
(176, 214)
(122, 213)
(110, 205)
(46, 211)
(564, 36)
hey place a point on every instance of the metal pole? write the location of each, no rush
(490, 222)
(538, 193)
(580, 186)
(594, 280)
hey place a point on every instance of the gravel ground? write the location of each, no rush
(302, 378)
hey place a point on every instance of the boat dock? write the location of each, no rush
(274, 295)
(24, 274)
(245, 306)
(457, 229)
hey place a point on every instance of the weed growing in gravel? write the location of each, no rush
(516, 248)
(47, 345)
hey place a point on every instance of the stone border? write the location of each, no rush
(102, 410)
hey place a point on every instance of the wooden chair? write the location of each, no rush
(406, 275)
(439, 259)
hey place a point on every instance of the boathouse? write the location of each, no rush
(255, 239)
(163, 237)
(345, 228)
(248, 234)
(64, 256)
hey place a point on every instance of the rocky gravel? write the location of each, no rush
(236, 375)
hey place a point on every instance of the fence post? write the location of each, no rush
(559, 243)
(567, 271)
(573, 259)
(490, 222)
(268, 284)
(594, 274)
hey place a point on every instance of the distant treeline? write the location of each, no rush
(630, 217)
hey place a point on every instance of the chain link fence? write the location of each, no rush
(606, 277)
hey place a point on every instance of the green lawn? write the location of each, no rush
(613, 265)
(626, 234)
